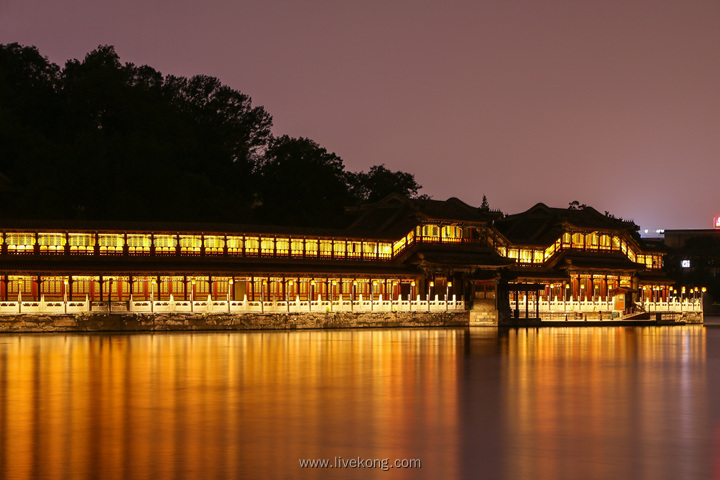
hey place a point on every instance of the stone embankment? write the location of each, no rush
(183, 322)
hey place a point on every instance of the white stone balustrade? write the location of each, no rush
(209, 305)
(603, 305)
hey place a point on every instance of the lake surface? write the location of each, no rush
(551, 403)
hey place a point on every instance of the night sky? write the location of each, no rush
(615, 104)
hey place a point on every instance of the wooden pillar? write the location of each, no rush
(527, 303)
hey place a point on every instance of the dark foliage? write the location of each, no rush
(380, 182)
(99, 139)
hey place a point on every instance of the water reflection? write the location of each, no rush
(549, 403)
(605, 403)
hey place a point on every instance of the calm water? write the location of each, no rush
(554, 403)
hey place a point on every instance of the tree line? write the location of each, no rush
(99, 139)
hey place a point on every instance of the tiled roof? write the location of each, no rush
(541, 225)
(396, 215)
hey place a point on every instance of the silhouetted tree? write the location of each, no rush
(485, 206)
(380, 182)
(102, 139)
(301, 183)
(107, 140)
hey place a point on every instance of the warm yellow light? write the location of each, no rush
(231, 281)
(449, 284)
(312, 282)
(432, 284)
(683, 290)
(704, 289)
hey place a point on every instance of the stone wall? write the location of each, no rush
(99, 322)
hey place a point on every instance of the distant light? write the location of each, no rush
(716, 222)
(646, 230)
(685, 264)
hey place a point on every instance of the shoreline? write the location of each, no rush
(210, 322)
(192, 322)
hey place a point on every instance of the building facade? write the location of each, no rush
(395, 249)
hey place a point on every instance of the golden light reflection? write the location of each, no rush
(236, 405)
(605, 402)
(550, 403)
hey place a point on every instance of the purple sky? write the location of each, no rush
(615, 104)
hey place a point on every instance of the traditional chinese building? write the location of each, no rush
(395, 249)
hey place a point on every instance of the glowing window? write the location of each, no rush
(325, 248)
(384, 250)
(296, 247)
(252, 245)
(431, 231)
(578, 240)
(282, 246)
(138, 243)
(51, 242)
(311, 247)
(451, 233)
(591, 240)
(165, 244)
(111, 243)
(190, 244)
(525, 256)
(267, 246)
(339, 248)
(354, 249)
(370, 249)
(78, 240)
(566, 239)
(214, 244)
(234, 245)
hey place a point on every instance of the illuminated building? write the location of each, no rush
(396, 249)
